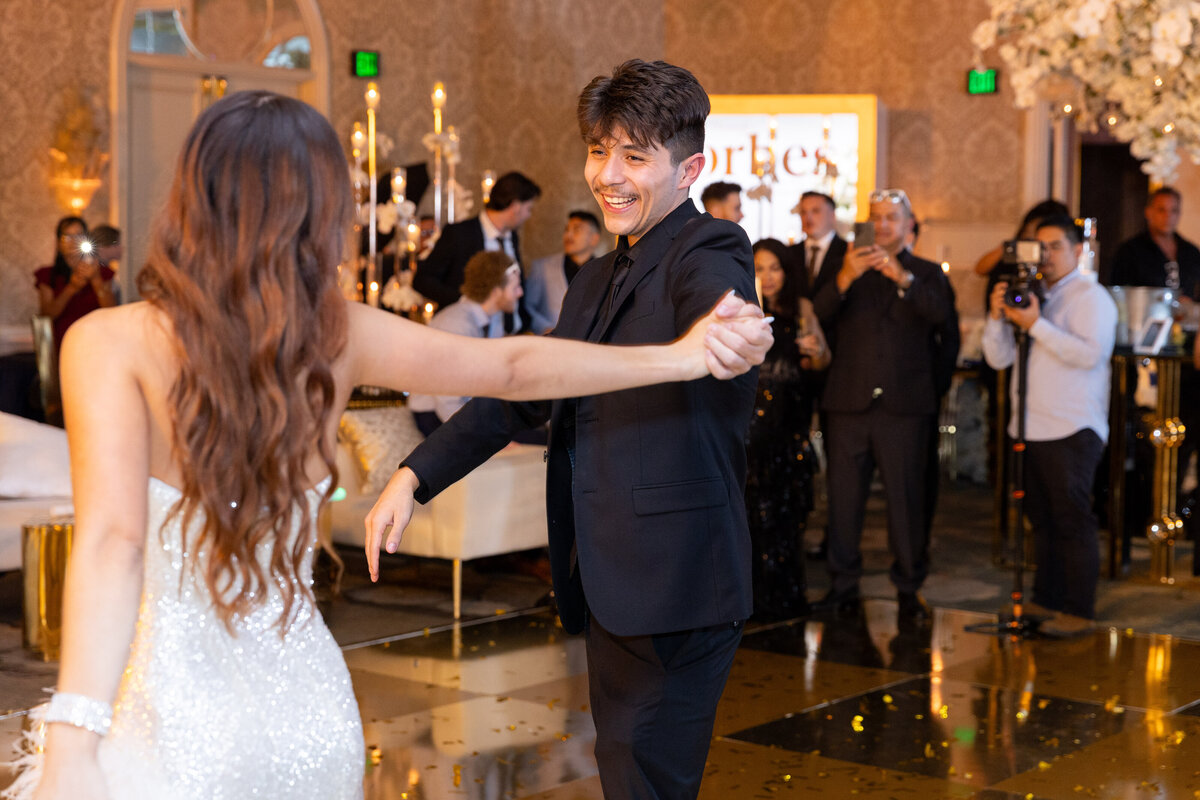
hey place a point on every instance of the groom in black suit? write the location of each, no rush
(649, 546)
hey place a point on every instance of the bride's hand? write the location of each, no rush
(80, 779)
(734, 336)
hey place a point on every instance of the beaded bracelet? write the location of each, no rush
(81, 711)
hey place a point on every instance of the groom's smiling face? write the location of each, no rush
(637, 186)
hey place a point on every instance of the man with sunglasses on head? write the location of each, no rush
(882, 309)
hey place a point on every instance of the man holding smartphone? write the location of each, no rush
(879, 400)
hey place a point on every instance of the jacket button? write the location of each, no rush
(545, 456)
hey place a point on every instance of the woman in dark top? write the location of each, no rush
(75, 284)
(780, 459)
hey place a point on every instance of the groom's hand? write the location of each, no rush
(393, 509)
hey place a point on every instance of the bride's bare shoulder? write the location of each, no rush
(134, 330)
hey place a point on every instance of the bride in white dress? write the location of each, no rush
(202, 425)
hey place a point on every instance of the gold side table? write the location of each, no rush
(1166, 434)
(45, 547)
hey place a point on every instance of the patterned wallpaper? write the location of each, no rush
(512, 71)
(958, 157)
(45, 50)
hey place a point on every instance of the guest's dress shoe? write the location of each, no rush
(818, 552)
(913, 608)
(846, 601)
(1065, 626)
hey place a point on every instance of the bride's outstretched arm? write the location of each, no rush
(389, 351)
(108, 429)
(727, 342)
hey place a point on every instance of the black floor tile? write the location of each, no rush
(958, 731)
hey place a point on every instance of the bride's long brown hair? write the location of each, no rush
(243, 263)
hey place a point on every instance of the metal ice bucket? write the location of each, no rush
(1136, 304)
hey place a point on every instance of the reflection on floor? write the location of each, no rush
(841, 707)
(851, 707)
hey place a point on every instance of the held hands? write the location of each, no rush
(1023, 318)
(734, 336)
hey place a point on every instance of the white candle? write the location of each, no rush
(399, 184)
(439, 100)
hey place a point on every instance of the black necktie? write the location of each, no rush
(620, 272)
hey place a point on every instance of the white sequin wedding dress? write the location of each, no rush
(203, 714)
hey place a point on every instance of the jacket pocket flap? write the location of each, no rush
(667, 497)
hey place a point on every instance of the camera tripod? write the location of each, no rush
(1018, 626)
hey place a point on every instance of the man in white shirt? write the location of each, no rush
(1071, 336)
(491, 287)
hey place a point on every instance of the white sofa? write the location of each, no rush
(35, 480)
(498, 508)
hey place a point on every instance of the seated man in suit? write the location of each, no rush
(491, 286)
(548, 277)
(649, 544)
(723, 200)
(883, 307)
(508, 208)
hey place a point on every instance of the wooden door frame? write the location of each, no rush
(118, 99)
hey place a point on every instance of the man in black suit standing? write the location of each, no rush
(649, 546)
(822, 250)
(508, 208)
(883, 308)
(817, 258)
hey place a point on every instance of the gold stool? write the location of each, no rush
(45, 546)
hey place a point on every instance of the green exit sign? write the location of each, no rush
(981, 81)
(364, 63)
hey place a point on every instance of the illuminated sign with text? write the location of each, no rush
(777, 147)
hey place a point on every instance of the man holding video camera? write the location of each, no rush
(1071, 332)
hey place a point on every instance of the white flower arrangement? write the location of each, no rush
(1132, 66)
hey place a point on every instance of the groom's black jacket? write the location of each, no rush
(650, 524)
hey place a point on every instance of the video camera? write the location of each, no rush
(1019, 269)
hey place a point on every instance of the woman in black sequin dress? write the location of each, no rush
(780, 459)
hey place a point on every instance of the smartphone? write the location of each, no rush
(864, 234)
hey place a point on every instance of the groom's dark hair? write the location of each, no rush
(655, 103)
